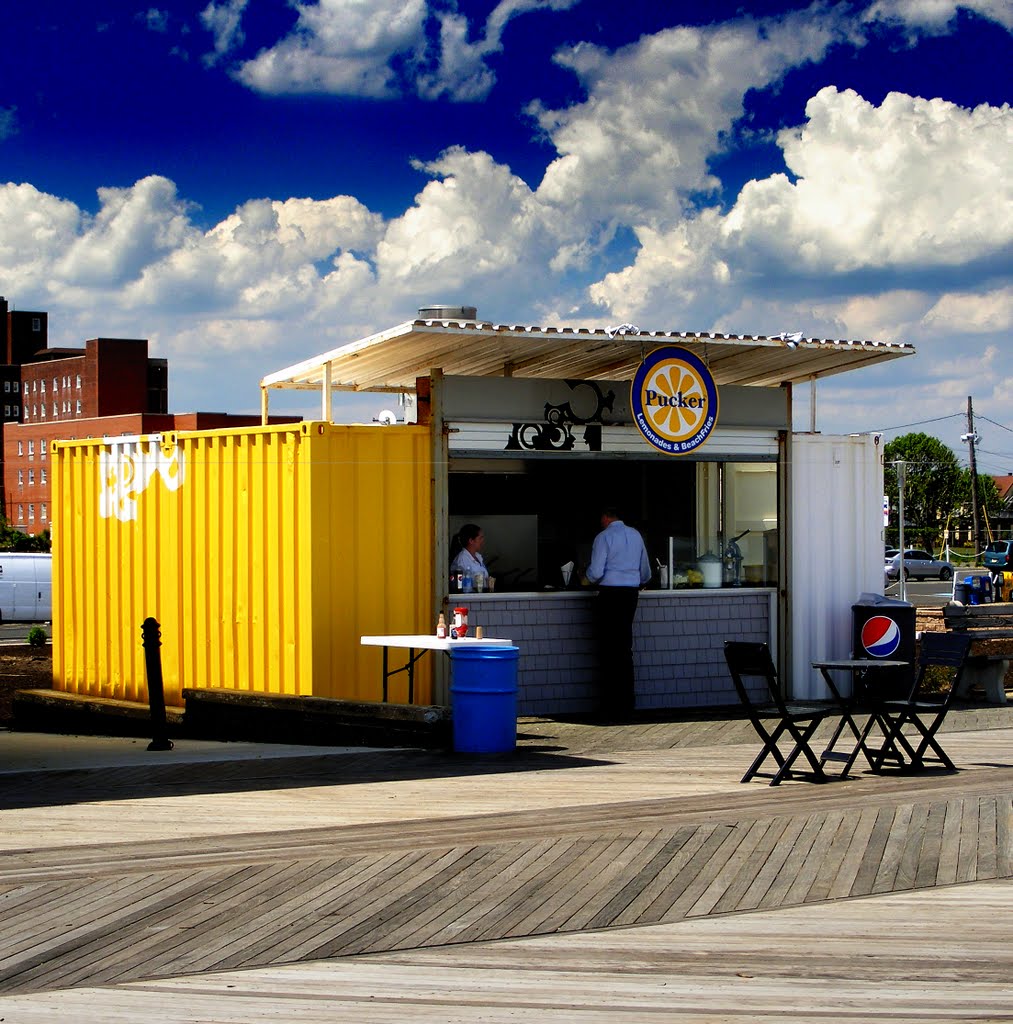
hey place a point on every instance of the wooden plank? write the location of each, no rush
(738, 863)
(833, 857)
(927, 869)
(987, 858)
(967, 850)
(650, 904)
(775, 895)
(733, 894)
(772, 866)
(910, 853)
(844, 881)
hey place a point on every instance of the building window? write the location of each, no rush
(79, 380)
(55, 412)
(42, 447)
(21, 478)
(36, 323)
(42, 477)
(43, 410)
(42, 386)
(56, 384)
(31, 478)
(21, 513)
(44, 514)
(17, 411)
(79, 407)
(7, 412)
(7, 386)
(17, 386)
(35, 385)
(31, 449)
(31, 512)
(21, 448)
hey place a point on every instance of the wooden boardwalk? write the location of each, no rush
(582, 876)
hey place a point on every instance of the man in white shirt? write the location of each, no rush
(620, 567)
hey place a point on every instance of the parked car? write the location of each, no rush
(998, 556)
(890, 552)
(918, 565)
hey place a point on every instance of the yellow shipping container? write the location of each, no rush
(264, 554)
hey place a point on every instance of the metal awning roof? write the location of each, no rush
(393, 359)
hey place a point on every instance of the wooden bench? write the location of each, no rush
(983, 622)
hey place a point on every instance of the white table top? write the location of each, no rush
(860, 663)
(429, 642)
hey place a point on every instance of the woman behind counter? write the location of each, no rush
(466, 554)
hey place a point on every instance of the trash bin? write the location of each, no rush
(883, 627)
(483, 698)
(979, 589)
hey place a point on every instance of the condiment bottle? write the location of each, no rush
(441, 628)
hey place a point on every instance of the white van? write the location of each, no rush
(26, 587)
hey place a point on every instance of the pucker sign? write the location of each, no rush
(674, 400)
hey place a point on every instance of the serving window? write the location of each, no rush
(540, 513)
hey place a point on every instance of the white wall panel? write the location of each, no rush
(835, 547)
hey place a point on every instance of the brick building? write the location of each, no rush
(109, 387)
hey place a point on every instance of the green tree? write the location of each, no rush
(931, 489)
(989, 502)
(16, 540)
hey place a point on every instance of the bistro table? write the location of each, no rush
(417, 645)
(859, 669)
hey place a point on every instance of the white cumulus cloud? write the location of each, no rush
(936, 15)
(224, 22)
(910, 182)
(382, 49)
(657, 110)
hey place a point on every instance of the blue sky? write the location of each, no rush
(250, 183)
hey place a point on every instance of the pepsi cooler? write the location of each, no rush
(884, 628)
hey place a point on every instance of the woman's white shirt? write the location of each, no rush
(468, 563)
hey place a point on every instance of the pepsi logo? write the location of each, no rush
(880, 636)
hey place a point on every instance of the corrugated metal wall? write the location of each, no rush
(264, 554)
(835, 548)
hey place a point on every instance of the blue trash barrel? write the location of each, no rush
(483, 698)
(979, 589)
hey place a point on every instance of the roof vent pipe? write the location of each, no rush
(448, 313)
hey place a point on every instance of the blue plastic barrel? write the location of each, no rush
(483, 697)
(980, 588)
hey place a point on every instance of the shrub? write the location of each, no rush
(37, 637)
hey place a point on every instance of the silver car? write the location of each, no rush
(918, 565)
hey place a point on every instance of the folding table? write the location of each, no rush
(417, 645)
(859, 669)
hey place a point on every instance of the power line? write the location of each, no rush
(920, 423)
(1001, 426)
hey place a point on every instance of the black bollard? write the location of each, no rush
(151, 642)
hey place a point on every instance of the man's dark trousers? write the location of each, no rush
(614, 609)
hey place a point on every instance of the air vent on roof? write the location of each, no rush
(448, 313)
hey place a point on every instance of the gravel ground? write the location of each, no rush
(23, 668)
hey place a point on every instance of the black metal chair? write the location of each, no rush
(941, 661)
(775, 717)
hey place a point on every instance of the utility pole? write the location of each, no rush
(901, 480)
(971, 438)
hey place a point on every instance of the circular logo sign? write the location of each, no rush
(674, 400)
(880, 636)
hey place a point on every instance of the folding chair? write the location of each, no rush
(926, 706)
(798, 720)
